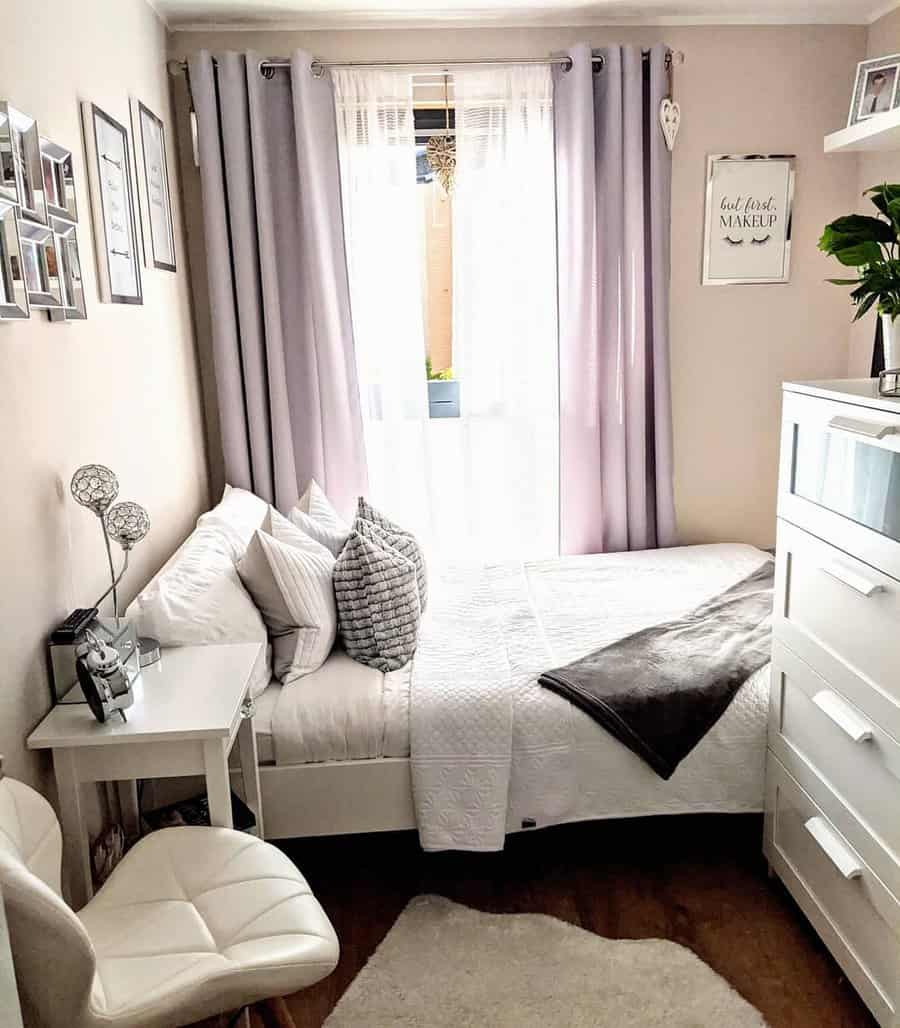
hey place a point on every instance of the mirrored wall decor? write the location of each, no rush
(112, 204)
(13, 295)
(154, 201)
(21, 178)
(40, 262)
(74, 307)
(59, 182)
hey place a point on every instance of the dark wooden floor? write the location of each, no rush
(700, 881)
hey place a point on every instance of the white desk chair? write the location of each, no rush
(193, 922)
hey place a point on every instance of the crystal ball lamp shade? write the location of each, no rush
(127, 523)
(95, 487)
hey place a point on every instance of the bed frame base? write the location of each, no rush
(338, 798)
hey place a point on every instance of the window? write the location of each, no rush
(435, 116)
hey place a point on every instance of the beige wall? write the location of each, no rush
(120, 388)
(874, 168)
(742, 89)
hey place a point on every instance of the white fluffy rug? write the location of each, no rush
(446, 966)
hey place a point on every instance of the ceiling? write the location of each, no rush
(363, 13)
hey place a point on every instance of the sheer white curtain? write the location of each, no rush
(484, 485)
(382, 225)
(505, 351)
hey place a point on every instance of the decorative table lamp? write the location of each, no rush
(96, 487)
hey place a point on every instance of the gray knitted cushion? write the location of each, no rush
(377, 601)
(402, 541)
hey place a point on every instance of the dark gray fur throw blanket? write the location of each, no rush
(660, 690)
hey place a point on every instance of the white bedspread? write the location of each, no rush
(342, 711)
(492, 752)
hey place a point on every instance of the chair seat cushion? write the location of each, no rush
(195, 921)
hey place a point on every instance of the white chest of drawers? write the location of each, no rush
(832, 831)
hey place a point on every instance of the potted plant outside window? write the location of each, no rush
(443, 392)
(871, 245)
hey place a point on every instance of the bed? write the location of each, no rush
(467, 747)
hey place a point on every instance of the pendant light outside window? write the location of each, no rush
(441, 148)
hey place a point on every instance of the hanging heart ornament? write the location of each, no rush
(669, 120)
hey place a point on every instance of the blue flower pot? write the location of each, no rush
(443, 398)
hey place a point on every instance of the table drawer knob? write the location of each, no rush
(843, 858)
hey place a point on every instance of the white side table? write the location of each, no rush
(184, 720)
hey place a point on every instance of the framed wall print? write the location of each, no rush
(40, 262)
(13, 294)
(21, 177)
(112, 206)
(73, 307)
(154, 199)
(59, 181)
(747, 231)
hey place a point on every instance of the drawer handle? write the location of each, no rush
(843, 858)
(859, 583)
(861, 426)
(843, 715)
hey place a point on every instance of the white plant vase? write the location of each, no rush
(890, 335)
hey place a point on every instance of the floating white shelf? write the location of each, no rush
(881, 132)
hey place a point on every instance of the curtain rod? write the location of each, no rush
(318, 68)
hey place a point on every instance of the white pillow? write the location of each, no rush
(288, 574)
(319, 520)
(198, 598)
(240, 511)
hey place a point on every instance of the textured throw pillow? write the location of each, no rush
(378, 603)
(318, 519)
(198, 599)
(402, 541)
(289, 577)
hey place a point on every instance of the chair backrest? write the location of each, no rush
(52, 954)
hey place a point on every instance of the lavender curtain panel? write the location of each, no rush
(279, 297)
(613, 195)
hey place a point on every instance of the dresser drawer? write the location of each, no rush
(811, 722)
(840, 476)
(843, 618)
(847, 903)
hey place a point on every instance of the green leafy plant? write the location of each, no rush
(445, 375)
(872, 246)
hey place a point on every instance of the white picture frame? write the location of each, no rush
(154, 196)
(14, 304)
(41, 266)
(74, 307)
(867, 101)
(21, 174)
(747, 226)
(108, 155)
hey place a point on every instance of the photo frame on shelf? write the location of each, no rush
(74, 307)
(747, 231)
(59, 181)
(112, 206)
(876, 88)
(40, 266)
(21, 175)
(13, 294)
(154, 197)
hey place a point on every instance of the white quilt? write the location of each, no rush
(493, 752)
